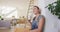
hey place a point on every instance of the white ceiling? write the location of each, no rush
(21, 5)
(14, 3)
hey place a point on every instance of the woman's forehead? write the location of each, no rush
(34, 7)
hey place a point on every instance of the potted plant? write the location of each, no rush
(55, 8)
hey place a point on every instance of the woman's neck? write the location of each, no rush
(37, 15)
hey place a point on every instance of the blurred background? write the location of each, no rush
(15, 12)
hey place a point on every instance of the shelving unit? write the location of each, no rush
(31, 4)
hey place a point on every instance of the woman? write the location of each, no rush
(38, 21)
(37, 25)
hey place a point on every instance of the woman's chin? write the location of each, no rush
(35, 13)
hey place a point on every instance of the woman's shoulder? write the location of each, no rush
(41, 16)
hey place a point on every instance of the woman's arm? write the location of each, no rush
(29, 21)
(40, 26)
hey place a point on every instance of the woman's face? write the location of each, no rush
(35, 10)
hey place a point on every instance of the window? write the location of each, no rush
(8, 12)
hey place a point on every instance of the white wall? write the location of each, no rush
(52, 22)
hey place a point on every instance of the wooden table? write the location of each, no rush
(21, 30)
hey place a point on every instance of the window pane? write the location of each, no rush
(8, 12)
